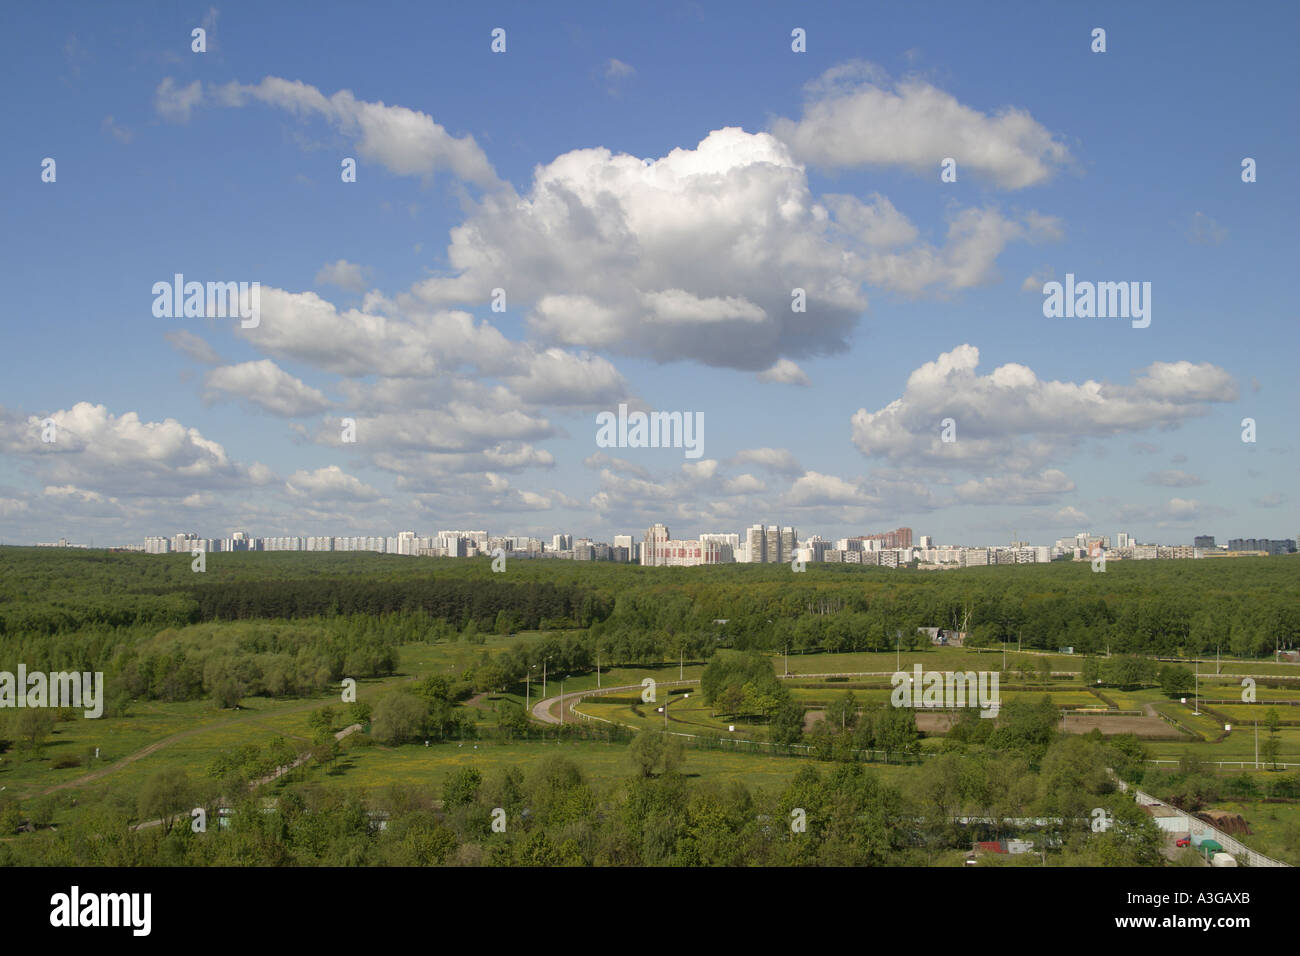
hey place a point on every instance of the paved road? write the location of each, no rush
(542, 709)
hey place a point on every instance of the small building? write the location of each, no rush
(1167, 818)
(942, 637)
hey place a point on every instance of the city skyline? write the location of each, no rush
(867, 276)
(739, 547)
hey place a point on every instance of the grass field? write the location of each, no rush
(190, 735)
(1275, 828)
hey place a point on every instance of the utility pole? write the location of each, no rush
(597, 669)
(1197, 698)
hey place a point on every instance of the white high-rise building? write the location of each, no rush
(652, 551)
(728, 543)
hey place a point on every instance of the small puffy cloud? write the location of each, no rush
(815, 488)
(967, 259)
(743, 485)
(175, 102)
(1035, 281)
(1014, 489)
(778, 460)
(875, 223)
(601, 460)
(266, 385)
(1070, 516)
(329, 483)
(344, 274)
(784, 372)
(557, 377)
(855, 116)
(701, 470)
(404, 141)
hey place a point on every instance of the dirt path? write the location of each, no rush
(279, 772)
(158, 745)
(167, 741)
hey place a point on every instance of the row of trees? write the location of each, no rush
(550, 814)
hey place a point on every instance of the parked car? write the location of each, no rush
(1183, 841)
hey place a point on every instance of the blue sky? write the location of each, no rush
(668, 288)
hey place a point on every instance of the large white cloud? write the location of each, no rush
(697, 255)
(691, 256)
(122, 455)
(1011, 420)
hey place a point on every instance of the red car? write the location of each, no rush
(1182, 841)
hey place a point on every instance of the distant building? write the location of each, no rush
(652, 549)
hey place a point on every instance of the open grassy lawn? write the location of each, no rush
(1237, 746)
(1275, 827)
(930, 658)
(374, 767)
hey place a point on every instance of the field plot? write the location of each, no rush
(1149, 728)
